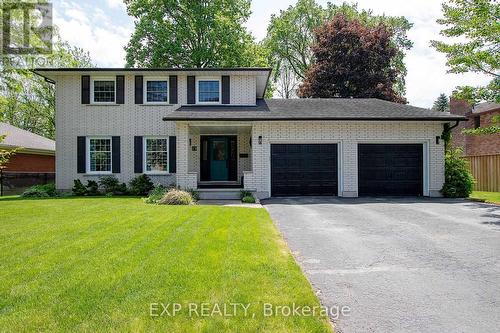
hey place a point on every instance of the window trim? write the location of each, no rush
(144, 155)
(88, 138)
(208, 78)
(92, 89)
(145, 90)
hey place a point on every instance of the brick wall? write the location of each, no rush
(478, 145)
(462, 108)
(31, 163)
(471, 144)
(348, 135)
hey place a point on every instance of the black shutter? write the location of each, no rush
(115, 152)
(138, 154)
(172, 154)
(172, 87)
(226, 90)
(81, 152)
(120, 89)
(85, 89)
(191, 90)
(138, 89)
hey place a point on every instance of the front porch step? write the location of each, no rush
(219, 194)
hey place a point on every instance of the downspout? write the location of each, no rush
(446, 135)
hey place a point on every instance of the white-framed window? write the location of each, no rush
(208, 90)
(99, 155)
(156, 91)
(103, 90)
(156, 155)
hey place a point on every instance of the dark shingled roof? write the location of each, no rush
(311, 109)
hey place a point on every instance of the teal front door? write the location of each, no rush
(218, 152)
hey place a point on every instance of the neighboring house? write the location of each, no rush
(211, 130)
(483, 151)
(480, 115)
(33, 163)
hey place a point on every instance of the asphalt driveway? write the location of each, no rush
(400, 265)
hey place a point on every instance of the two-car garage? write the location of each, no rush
(312, 169)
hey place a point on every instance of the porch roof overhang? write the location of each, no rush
(336, 109)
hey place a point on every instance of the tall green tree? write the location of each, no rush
(290, 36)
(26, 100)
(474, 29)
(441, 104)
(352, 59)
(191, 33)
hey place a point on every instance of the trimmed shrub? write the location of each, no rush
(176, 197)
(458, 181)
(40, 191)
(245, 193)
(92, 188)
(141, 185)
(109, 184)
(248, 199)
(156, 194)
(78, 188)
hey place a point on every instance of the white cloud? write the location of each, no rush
(114, 4)
(95, 33)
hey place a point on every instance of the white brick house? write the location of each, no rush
(211, 129)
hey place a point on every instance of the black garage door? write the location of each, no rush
(303, 169)
(390, 169)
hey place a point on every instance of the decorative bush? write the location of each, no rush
(245, 193)
(92, 188)
(141, 185)
(40, 191)
(78, 188)
(156, 194)
(109, 184)
(458, 181)
(176, 197)
(248, 199)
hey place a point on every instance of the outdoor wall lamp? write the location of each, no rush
(260, 139)
(190, 142)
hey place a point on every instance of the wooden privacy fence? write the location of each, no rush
(486, 171)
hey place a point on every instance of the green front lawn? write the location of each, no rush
(493, 197)
(98, 264)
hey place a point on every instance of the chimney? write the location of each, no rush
(459, 107)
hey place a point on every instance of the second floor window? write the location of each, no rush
(156, 91)
(104, 91)
(208, 91)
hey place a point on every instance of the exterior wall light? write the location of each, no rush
(260, 139)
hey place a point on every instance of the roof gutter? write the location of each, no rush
(316, 119)
(46, 78)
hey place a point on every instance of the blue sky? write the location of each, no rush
(103, 28)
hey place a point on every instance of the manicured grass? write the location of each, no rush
(97, 264)
(493, 197)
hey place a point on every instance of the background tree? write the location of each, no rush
(191, 33)
(290, 36)
(352, 60)
(441, 104)
(474, 26)
(26, 100)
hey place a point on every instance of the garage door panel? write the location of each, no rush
(390, 169)
(303, 169)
